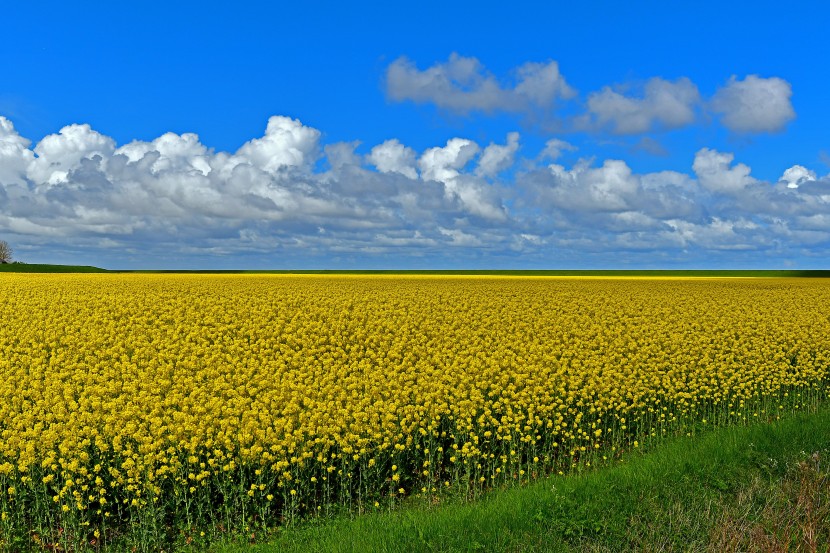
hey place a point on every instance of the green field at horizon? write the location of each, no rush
(54, 268)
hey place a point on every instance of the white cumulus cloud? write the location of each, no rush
(541, 83)
(497, 157)
(555, 147)
(287, 143)
(393, 157)
(535, 90)
(754, 104)
(611, 187)
(342, 154)
(797, 175)
(445, 163)
(57, 154)
(715, 172)
(15, 156)
(183, 152)
(463, 84)
(663, 104)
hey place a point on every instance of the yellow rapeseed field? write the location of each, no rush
(183, 404)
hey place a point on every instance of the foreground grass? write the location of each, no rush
(756, 488)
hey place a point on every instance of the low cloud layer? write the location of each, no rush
(286, 196)
(463, 85)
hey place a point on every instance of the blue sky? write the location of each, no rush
(434, 135)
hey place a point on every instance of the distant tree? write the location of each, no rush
(5, 252)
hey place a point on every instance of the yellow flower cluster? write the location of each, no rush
(278, 395)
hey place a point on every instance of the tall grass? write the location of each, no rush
(760, 487)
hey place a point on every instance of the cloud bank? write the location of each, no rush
(285, 196)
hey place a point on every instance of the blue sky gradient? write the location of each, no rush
(649, 135)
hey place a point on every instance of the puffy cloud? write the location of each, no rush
(714, 172)
(606, 207)
(797, 175)
(460, 238)
(754, 104)
(444, 163)
(542, 83)
(662, 104)
(610, 187)
(477, 198)
(555, 147)
(393, 157)
(287, 143)
(58, 154)
(15, 156)
(496, 157)
(183, 152)
(462, 84)
(716, 234)
(342, 154)
(662, 179)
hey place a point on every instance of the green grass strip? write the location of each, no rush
(762, 487)
(716, 273)
(509, 272)
(44, 268)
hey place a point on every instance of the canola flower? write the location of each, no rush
(166, 406)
